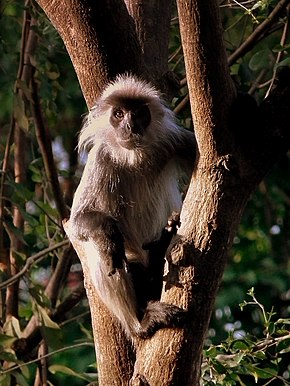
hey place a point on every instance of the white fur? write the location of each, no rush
(143, 195)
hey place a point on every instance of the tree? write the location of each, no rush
(238, 142)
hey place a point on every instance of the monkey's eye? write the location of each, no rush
(119, 114)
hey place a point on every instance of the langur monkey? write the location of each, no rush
(128, 190)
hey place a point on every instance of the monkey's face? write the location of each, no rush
(130, 119)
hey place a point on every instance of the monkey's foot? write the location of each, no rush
(161, 315)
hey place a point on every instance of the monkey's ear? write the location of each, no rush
(87, 135)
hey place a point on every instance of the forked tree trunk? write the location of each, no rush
(102, 40)
(230, 164)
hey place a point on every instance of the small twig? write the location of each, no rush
(256, 83)
(30, 261)
(73, 346)
(259, 31)
(44, 141)
(3, 177)
(282, 43)
(182, 104)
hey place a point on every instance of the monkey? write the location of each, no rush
(128, 190)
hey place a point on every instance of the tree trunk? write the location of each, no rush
(226, 173)
(232, 160)
(102, 40)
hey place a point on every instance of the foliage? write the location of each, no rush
(249, 359)
(243, 347)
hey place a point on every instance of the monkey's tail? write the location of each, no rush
(116, 290)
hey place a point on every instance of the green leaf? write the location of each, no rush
(279, 48)
(283, 346)
(5, 380)
(240, 345)
(46, 320)
(53, 336)
(12, 327)
(6, 340)
(271, 328)
(257, 373)
(21, 191)
(39, 296)
(21, 381)
(23, 87)
(53, 75)
(219, 367)
(211, 352)
(8, 357)
(261, 60)
(260, 355)
(283, 321)
(283, 63)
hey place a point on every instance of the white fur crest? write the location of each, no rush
(97, 129)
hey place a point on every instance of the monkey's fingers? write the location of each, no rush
(173, 222)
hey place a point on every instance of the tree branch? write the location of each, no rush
(98, 51)
(226, 174)
(44, 142)
(31, 260)
(110, 341)
(249, 43)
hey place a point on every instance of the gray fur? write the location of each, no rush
(136, 188)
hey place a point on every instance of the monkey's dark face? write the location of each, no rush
(130, 119)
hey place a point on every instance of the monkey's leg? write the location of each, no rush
(158, 315)
(156, 252)
(118, 294)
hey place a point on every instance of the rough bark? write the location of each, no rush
(115, 356)
(231, 162)
(101, 39)
(153, 36)
(228, 168)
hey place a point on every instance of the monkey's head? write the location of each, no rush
(129, 117)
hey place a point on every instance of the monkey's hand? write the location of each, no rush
(111, 244)
(160, 246)
(104, 231)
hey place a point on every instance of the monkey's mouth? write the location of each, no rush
(129, 143)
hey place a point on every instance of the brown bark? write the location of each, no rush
(100, 38)
(115, 356)
(228, 169)
(101, 42)
(28, 44)
(153, 36)
(226, 173)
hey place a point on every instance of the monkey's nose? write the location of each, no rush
(129, 127)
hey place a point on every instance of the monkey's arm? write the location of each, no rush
(97, 226)
(185, 145)
(185, 150)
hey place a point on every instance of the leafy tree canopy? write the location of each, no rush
(245, 345)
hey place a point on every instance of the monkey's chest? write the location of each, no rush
(142, 208)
